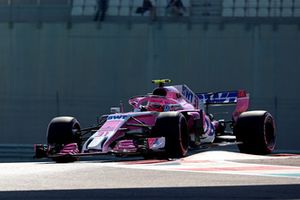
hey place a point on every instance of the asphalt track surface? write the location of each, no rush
(204, 175)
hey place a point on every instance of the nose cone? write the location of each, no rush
(97, 143)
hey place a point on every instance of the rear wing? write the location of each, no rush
(220, 98)
(240, 98)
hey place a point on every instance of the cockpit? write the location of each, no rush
(163, 98)
(154, 103)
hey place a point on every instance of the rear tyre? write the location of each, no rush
(62, 131)
(173, 127)
(256, 132)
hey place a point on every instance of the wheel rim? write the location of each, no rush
(183, 136)
(269, 133)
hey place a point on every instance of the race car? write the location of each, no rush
(168, 122)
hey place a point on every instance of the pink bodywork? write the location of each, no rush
(242, 104)
(115, 128)
(117, 124)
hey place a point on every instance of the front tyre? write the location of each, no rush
(256, 132)
(173, 127)
(63, 131)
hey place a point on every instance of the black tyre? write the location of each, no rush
(173, 127)
(63, 130)
(256, 132)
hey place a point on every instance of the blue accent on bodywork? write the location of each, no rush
(218, 97)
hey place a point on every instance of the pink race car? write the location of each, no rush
(166, 123)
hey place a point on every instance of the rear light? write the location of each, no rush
(241, 93)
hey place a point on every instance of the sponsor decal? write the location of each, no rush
(190, 96)
(167, 108)
(117, 117)
(172, 107)
(209, 128)
(218, 97)
(187, 93)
